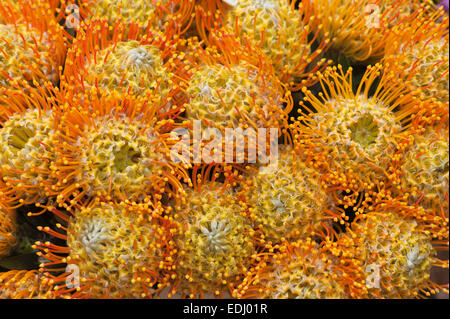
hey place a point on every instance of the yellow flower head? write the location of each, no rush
(32, 49)
(114, 148)
(300, 270)
(419, 56)
(27, 142)
(215, 242)
(354, 133)
(117, 251)
(282, 32)
(121, 65)
(144, 14)
(230, 86)
(425, 171)
(287, 201)
(396, 255)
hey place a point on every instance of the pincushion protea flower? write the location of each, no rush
(299, 270)
(359, 29)
(118, 251)
(8, 231)
(114, 148)
(23, 284)
(232, 85)
(426, 166)
(27, 141)
(216, 242)
(285, 34)
(418, 55)
(100, 63)
(423, 180)
(396, 254)
(353, 136)
(32, 49)
(288, 201)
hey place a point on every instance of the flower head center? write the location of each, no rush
(126, 156)
(137, 57)
(20, 136)
(364, 130)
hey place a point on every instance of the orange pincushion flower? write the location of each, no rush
(354, 136)
(233, 85)
(27, 142)
(206, 10)
(360, 29)
(424, 178)
(23, 284)
(396, 253)
(124, 64)
(32, 49)
(216, 241)
(302, 270)
(193, 27)
(117, 251)
(114, 148)
(288, 201)
(283, 33)
(419, 56)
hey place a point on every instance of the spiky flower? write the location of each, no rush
(115, 156)
(32, 49)
(129, 64)
(118, 251)
(117, 153)
(23, 284)
(300, 270)
(8, 232)
(220, 95)
(216, 242)
(426, 169)
(282, 32)
(418, 55)
(396, 255)
(100, 237)
(287, 201)
(232, 87)
(205, 13)
(20, 47)
(432, 68)
(27, 141)
(141, 10)
(353, 131)
(125, 64)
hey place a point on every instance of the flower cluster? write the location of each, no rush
(116, 179)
